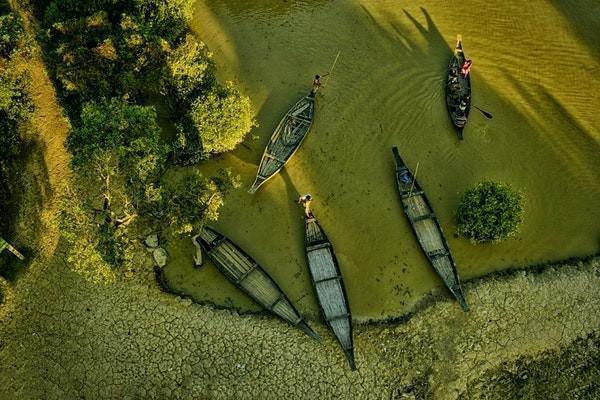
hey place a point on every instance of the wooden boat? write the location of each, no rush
(460, 91)
(286, 139)
(427, 229)
(329, 286)
(249, 277)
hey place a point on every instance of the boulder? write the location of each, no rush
(160, 256)
(152, 240)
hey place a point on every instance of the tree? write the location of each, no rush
(490, 211)
(221, 118)
(189, 70)
(167, 18)
(11, 32)
(117, 150)
(194, 200)
(16, 107)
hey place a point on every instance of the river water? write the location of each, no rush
(536, 68)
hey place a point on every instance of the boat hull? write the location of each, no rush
(453, 95)
(286, 139)
(328, 286)
(248, 276)
(427, 229)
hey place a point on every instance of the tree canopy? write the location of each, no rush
(222, 118)
(490, 211)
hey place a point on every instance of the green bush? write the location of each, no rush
(189, 70)
(490, 211)
(118, 144)
(221, 118)
(114, 125)
(16, 107)
(193, 200)
(11, 32)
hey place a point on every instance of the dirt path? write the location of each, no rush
(47, 163)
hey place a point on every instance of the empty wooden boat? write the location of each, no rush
(286, 139)
(427, 228)
(248, 276)
(458, 90)
(329, 286)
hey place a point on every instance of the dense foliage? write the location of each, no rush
(16, 107)
(222, 118)
(11, 33)
(108, 57)
(119, 140)
(490, 211)
(132, 48)
(193, 200)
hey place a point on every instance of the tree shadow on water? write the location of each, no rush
(436, 50)
(584, 16)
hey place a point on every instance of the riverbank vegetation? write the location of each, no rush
(16, 109)
(490, 212)
(112, 64)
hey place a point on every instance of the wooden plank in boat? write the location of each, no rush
(423, 217)
(332, 278)
(341, 316)
(245, 274)
(318, 246)
(271, 156)
(438, 254)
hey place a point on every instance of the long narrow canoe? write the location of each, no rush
(249, 277)
(286, 139)
(329, 286)
(427, 229)
(457, 93)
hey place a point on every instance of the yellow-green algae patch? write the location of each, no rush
(66, 338)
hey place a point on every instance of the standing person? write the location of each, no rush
(466, 68)
(305, 201)
(317, 84)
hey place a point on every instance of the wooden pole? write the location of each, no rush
(331, 69)
(414, 179)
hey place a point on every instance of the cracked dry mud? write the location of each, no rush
(63, 338)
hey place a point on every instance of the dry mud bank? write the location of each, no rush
(62, 337)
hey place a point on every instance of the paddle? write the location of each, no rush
(413, 180)
(485, 113)
(331, 69)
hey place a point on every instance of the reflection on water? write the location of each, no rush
(540, 80)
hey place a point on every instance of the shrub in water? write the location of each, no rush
(490, 211)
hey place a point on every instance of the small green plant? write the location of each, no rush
(490, 211)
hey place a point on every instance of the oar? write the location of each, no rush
(413, 180)
(331, 69)
(485, 113)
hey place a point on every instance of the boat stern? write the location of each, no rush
(350, 356)
(206, 238)
(255, 186)
(308, 330)
(460, 298)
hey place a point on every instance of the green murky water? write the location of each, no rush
(536, 68)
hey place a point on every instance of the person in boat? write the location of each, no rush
(453, 76)
(317, 84)
(462, 107)
(405, 177)
(466, 68)
(305, 201)
(291, 122)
